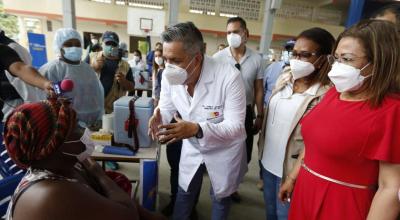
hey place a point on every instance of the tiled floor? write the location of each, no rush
(251, 207)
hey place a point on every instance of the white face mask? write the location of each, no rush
(176, 75)
(136, 58)
(234, 40)
(95, 41)
(87, 141)
(301, 68)
(159, 60)
(345, 77)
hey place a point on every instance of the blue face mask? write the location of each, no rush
(110, 51)
(72, 53)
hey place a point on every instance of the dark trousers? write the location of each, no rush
(186, 201)
(140, 93)
(248, 124)
(173, 157)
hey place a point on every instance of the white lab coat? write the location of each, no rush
(219, 106)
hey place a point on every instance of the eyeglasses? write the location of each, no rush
(303, 54)
(345, 59)
(237, 65)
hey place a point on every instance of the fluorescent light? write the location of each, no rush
(195, 11)
(104, 1)
(227, 15)
(146, 6)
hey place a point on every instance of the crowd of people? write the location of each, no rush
(327, 116)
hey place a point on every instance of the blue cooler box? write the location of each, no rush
(143, 111)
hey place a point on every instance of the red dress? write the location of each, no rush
(344, 141)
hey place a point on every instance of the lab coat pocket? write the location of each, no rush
(214, 116)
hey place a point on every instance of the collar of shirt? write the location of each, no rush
(287, 92)
(247, 54)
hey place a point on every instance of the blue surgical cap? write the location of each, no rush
(62, 35)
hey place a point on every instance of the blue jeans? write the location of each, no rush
(275, 209)
(186, 200)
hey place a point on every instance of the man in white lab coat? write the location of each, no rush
(210, 97)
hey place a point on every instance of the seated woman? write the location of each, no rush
(87, 95)
(42, 137)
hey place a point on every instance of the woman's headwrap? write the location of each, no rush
(34, 131)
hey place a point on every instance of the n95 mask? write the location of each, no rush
(234, 40)
(346, 77)
(301, 68)
(174, 74)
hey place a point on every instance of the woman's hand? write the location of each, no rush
(93, 168)
(286, 189)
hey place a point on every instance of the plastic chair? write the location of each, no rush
(7, 188)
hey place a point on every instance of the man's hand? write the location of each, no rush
(48, 88)
(126, 84)
(177, 131)
(31, 76)
(154, 122)
(98, 63)
(120, 77)
(257, 125)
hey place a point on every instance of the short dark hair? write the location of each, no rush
(325, 42)
(138, 52)
(188, 34)
(158, 43)
(392, 8)
(237, 19)
(320, 36)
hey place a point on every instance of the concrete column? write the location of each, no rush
(217, 7)
(266, 33)
(69, 18)
(173, 12)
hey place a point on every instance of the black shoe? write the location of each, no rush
(169, 209)
(194, 215)
(236, 197)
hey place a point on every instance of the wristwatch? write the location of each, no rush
(199, 133)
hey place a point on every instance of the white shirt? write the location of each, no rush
(218, 106)
(250, 67)
(281, 113)
(137, 65)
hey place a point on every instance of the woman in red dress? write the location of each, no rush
(350, 168)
